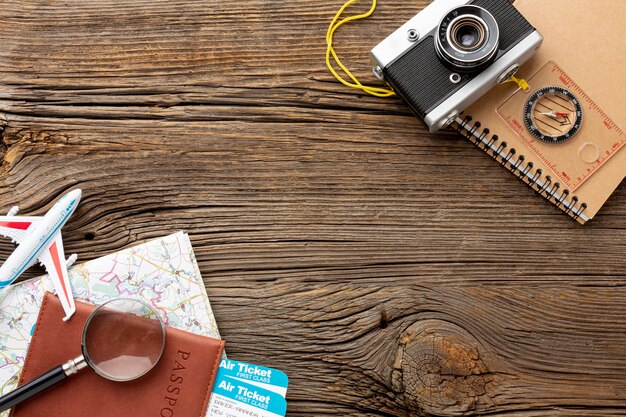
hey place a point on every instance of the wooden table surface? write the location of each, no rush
(388, 271)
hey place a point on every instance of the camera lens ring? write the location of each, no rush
(459, 26)
(467, 38)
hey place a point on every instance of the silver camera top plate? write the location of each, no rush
(424, 23)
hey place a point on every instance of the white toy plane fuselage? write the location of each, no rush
(39, 239)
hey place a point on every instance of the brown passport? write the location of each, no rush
(179, 385)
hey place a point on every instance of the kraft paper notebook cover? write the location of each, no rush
(180, 384)
(584, 51)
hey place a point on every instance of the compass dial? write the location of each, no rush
(553, 114)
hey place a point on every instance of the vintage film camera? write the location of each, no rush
(452, 53)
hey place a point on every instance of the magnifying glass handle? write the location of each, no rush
(43, 382)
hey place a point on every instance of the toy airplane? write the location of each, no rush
(39, 239)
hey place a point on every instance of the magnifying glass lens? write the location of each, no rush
(123, 339)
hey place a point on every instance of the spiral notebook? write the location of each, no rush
(583, 55)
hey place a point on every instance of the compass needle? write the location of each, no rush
(551, 116)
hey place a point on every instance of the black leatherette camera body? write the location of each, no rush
(422, 79)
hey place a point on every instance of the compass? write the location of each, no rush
(553, 114)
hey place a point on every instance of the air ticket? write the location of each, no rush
(246, 390)
(267, 378)
(234, 398)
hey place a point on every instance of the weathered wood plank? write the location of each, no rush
(392, 271)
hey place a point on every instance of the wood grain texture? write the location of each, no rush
(389, 271)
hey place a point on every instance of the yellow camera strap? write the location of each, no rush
(330, 52)
(521, 83)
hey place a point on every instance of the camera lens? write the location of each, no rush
(468, 35)
(467, 38)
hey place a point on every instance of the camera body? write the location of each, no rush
(452, 53)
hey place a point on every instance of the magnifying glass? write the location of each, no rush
(123, 339)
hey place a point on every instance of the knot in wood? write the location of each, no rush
(439, 370)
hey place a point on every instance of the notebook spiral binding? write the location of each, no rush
(498, 150)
